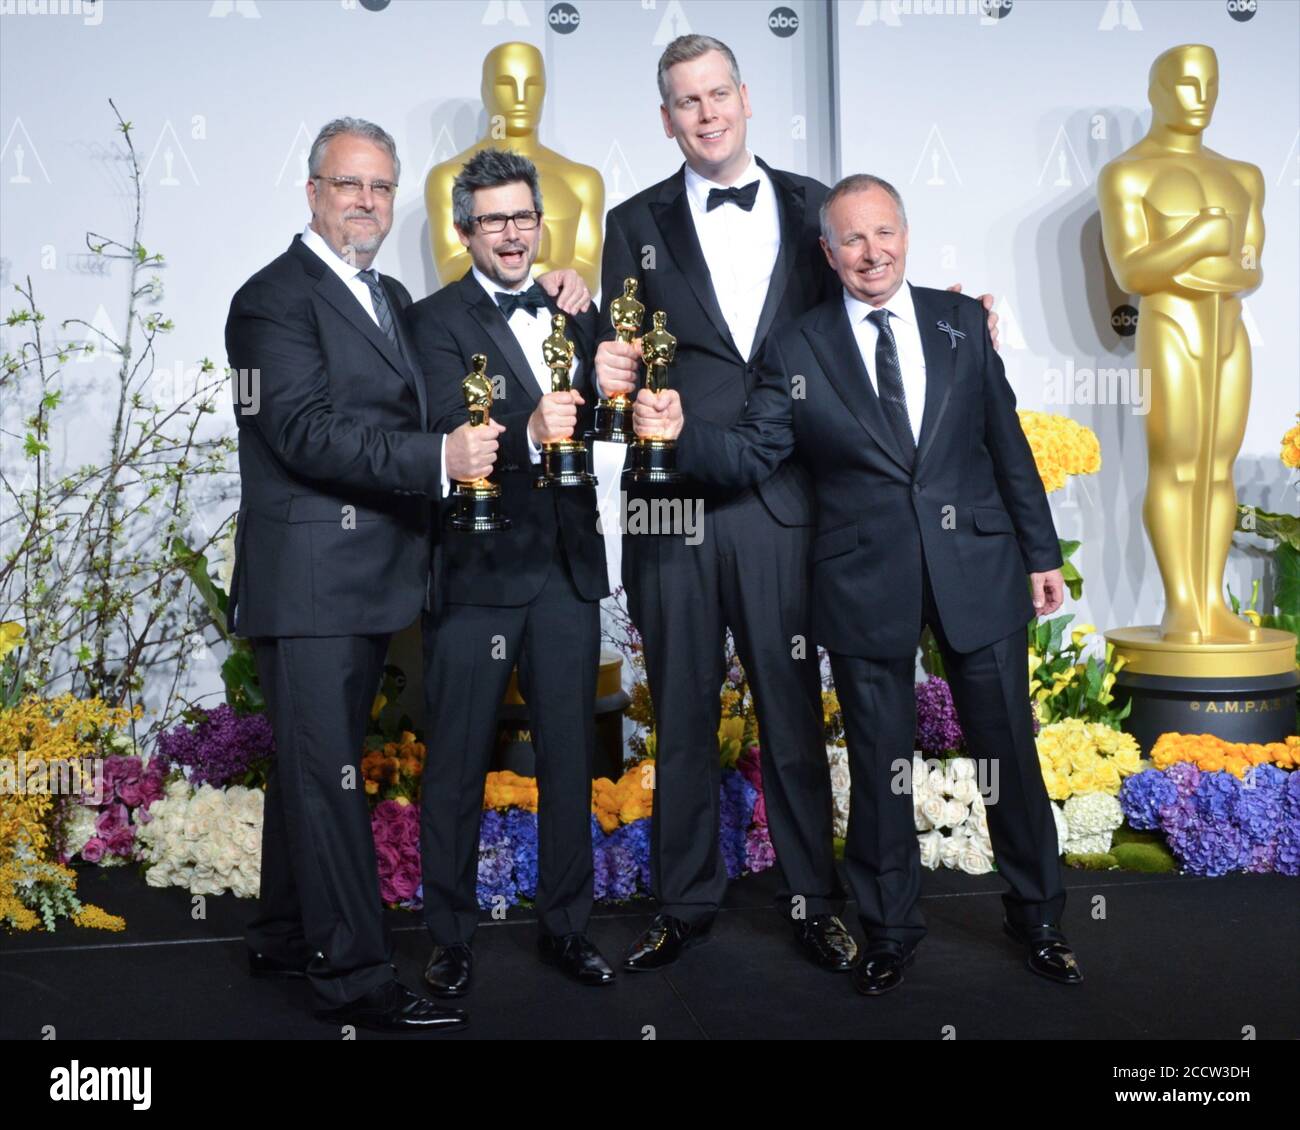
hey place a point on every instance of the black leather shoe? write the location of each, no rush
(881, 971)
(577, 956)
(827, 943)
(262, 965)
(1049, 954)
(448, 971)
(392, 1007)
(662, 943)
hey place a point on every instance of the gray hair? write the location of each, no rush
(490, 168)
(857, 182)
(687, 47)
(351, 127)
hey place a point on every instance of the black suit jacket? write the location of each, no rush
(709, 372)
(506, 568)
(337, 466)
(973, 503)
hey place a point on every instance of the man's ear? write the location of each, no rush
(668, 123)
(464, 239)
(826, 249)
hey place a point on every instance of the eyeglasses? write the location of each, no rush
(352, 186)
(496, 221)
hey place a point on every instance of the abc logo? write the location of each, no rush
(374, 5)
(563, 18)
(996, 9)
(1242, 10)
(783, 22)
(1124, 320)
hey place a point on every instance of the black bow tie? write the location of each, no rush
(532, 300)
(741, 197)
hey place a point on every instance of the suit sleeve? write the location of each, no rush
(748, 452)
(1017, 476)
(273, 333)
(444, 365)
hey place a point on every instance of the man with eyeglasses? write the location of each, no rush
(527, 596)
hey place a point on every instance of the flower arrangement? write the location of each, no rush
(392, 770)
(1210, 753)
(1062, 447)
(1290, 454)
(1068, 679)
(220, 747)
(47, 743)
(98, 826)
(1079, 757)
(395, 824)
(938, 731)
(950, 816)
(1216, 822)
(205, 839)
(624, 801)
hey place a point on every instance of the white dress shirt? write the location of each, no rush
(907, 340)
(350, 274)
(739, 247)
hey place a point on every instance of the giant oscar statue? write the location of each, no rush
(1183, 229)
(514, 84)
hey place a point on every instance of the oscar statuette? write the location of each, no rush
(614, 413)
(564, 461)
(653, 459)
(478, 502)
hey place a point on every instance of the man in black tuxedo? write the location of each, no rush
(338, 469)
(529, 595)
(930, 511)
(727, 246)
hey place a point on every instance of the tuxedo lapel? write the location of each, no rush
(790, 206)
(672, 215)
(488, 315)
(836, 349)
(940, 361)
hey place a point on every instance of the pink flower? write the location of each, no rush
(389, 857)
(405, 881)
(110, 819)
(93, 852)
(411, 832)
(131, 793)
(122, 841)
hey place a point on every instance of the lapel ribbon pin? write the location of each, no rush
(953, 334)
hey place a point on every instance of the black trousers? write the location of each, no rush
(468, 656)
(320, 883)
(990, 689)
(750, 573)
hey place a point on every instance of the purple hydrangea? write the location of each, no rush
(1144, 796)
(737, 797)
(937, 727)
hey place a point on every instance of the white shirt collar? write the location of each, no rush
(493, 288)
(900, 306)
(340, 266)
(698, 187)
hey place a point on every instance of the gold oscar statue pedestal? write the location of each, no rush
(1183, 229)
(514, 727)
(1241, 692)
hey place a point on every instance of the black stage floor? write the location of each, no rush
(1165, 957)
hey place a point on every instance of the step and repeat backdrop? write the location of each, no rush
(992, 117)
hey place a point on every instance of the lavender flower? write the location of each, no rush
(937, 727)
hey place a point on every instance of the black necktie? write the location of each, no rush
(741, 197)
(532, 300)
(889, 384)
(380, 301)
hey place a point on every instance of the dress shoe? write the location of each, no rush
(662, 943)
(825, 940)
(577, 956)
(882, 970)
(262, 965)
(392, 1007)
(1049, 953)
(448, 971)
